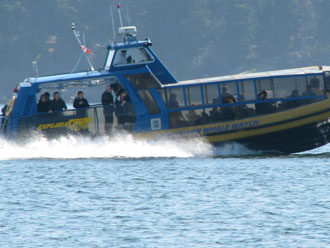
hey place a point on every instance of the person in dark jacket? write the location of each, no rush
(80, 101)
(43, 104)
(57, 104)
(108, 108)
(263, 107)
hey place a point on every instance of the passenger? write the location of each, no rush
(108, 108)
(204, 118)
(57, 104)
(47, 95)
(215, 100)
(242, 110)
(80, 101)
(122, 97)
(227, 111)
(226, 94)
(315, 87)
(129, 60)
(114, 88)
(294, 103)
(216, 114)
(225, 91)
(122, 57)
(228, 99)
(193, 117)
(4, 110)
(120, 103)
(43, 104)
(3, 113)
(263, 107)
(173, 102)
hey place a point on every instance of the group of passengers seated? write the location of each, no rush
(231, 111)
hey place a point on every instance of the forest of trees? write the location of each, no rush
(194, 38)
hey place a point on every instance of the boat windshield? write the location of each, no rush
(137, 55)
(92, 89)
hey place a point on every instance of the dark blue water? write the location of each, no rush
(100, 193)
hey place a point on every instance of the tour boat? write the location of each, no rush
(283, 111)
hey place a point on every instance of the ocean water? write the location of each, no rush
(121, 192)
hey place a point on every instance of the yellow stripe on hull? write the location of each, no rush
(258, 125)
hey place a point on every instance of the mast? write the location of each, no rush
(85, 50)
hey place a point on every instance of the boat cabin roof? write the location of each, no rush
(244, 76)
(78, 76)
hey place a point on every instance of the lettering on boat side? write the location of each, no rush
(75, 124)
(235, 126)
(208, 130)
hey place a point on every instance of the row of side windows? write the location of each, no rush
(243, 91)
(240, 99)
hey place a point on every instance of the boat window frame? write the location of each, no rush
(110, 56)
(117, 52)
(152, 108)
(239, 102)
(137, 87)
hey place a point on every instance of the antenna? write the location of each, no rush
(85, 50)
(129, 21)
(119, 12)
(35, 67)
(113, 22)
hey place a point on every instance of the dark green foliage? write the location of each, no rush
(194, 38)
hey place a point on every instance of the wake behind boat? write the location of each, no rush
(286, 111)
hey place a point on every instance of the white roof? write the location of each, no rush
(241, 76)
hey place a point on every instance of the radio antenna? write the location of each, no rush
(113, 22)
(35, 67)
(119, 12)
(129, 21)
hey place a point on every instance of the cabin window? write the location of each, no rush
(247, 91)
(175, 98)
(211, 94)
(229, 93)
(27, 106)
(162, 92)
(143, 81)
(194, 96)
(285, 87)
(92, 89)
(191, 117)
(266, 85)
(327, 80)
(315, 85)
(149, 102)
(130, 56)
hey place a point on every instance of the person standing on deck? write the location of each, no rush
(80, 101)
(57, 104)
(108, 108)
